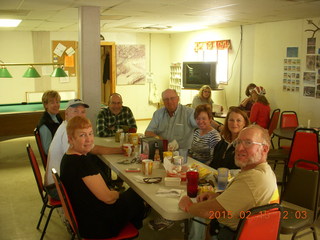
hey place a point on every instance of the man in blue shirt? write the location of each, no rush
(173, 122)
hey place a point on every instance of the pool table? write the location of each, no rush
(20, 119)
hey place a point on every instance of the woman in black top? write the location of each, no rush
(100, 211)
(223, 155)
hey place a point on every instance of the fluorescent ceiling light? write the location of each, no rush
(10, 22)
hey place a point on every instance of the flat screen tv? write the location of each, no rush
(197, 74)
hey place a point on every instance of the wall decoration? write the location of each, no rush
(292, 52)
(131, 65)
(309, 78)
(291, 74)
(310, 62)
(309, 91)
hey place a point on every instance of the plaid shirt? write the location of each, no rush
(107, 120)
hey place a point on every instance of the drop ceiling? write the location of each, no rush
(155, 15)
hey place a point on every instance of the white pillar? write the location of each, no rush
(89, 56)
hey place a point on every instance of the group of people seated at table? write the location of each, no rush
(234, 145)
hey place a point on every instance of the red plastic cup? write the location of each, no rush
(192, 183)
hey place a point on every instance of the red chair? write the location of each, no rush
(43, 155)
(261, 223)
(273, 123)
(288, 119)
(305, 145)
(47, 201)
(128, 232)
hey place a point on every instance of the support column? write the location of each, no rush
(89, 59)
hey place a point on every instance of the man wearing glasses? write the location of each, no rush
(173, 122)
(254, 186)
(114, 117)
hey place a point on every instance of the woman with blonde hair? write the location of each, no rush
(203, 97)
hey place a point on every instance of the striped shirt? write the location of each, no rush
(202, 146)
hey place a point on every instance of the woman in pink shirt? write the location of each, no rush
(260, 111)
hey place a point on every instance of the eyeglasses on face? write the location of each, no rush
(152, 180)
(246, 143)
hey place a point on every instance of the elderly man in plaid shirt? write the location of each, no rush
(114, 117)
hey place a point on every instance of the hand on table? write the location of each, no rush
(206, 196)
(184, 203)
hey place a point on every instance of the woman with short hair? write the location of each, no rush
(100, 211)
(205, 137)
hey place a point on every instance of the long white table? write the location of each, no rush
(167, 207)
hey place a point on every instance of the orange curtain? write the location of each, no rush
(210, 45)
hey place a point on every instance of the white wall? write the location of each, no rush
(263, 52)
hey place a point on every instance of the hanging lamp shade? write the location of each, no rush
(4, 73)
(59, 72)
(31, 73)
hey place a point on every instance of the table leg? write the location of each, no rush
(186, 228)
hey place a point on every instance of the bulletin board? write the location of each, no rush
(66, 52)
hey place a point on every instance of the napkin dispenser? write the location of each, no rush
(149, 146)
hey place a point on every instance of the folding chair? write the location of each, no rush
(128, 232)
(273, 123)
(288, 119)
(47, 201)
(302, 190)
(305, 145)
(43, 155)
(261, 223)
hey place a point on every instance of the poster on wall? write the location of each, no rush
(291, 72)
(131, 65)
(309, 91)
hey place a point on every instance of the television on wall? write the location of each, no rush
(197, 74)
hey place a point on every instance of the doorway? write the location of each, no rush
(108, 70)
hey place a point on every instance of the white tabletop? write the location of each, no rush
(167, 207)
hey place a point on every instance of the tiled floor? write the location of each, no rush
(20, 201)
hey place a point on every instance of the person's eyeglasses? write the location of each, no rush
(152, 180)
(127, 161)
(246, 143)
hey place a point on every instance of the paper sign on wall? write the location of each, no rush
(69, 61)
(70, 51)
(59, 49)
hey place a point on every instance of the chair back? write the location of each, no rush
(36, 172)
(65, 202)
(289, 119)
(261, 223)
(302, 188)
(43, 155)
(305, 145)
(274, 121)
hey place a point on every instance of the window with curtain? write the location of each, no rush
(215, 51)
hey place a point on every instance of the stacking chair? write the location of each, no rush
(273, 123)
(43, 155)
(305, 145)
(128, 232)
(302, 190)
(261, 223)
(288, 119)
(47, 201)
